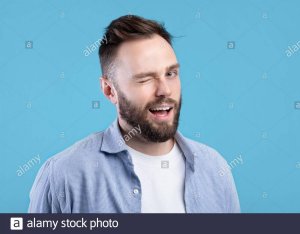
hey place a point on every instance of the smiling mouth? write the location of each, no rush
(161, 111)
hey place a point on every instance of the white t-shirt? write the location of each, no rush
(162, 180)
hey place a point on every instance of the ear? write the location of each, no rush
(108, 89)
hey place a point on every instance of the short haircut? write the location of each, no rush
(126, 28)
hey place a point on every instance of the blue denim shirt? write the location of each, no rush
(96, 175)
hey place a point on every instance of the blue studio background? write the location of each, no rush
(240, 83)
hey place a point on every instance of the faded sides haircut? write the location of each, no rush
(122, 29)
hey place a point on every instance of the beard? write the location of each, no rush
(150, 130)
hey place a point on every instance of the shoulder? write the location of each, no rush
(207, 160)
(214, 173)
(205, 153)
(78, 155)
(90, 144)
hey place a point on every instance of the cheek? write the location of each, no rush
(176, 89)
(178, 85)
(140, 96)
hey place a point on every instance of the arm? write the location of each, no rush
(233, 205)
(43, 198)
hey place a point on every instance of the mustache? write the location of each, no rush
(168, 101)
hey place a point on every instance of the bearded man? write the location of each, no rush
(141, 163)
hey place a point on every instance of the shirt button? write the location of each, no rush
(135, 191)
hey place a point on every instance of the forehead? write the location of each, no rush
(151, 54)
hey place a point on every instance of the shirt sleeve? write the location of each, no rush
(42, 195)
(232, 195)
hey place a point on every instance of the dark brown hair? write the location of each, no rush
(125, 28)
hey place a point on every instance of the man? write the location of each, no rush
(141, 163)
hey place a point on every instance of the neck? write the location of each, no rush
(135, 140)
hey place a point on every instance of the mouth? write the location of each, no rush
(162, 112)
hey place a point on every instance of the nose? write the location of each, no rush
(163, 88)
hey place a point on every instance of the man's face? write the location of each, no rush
(148, 87)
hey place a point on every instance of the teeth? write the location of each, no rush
(161, 108)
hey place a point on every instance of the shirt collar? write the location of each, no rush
(114, 143)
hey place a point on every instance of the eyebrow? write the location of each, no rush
(145, 74)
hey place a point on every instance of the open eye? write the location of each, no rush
(172, 73)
